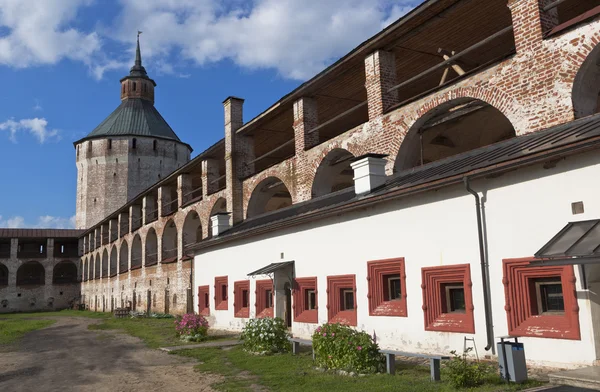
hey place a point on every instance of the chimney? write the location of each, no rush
(220, 223)
(369, 172)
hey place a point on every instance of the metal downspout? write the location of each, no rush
(484, 270)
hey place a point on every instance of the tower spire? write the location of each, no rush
(138, 69)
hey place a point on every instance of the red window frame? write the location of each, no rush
(203, 300)
(433, 286)
(220, 302)
(377, 271)
(261, 298)
(522, 319)
(239, 310)
(335, 314)
(301, 313)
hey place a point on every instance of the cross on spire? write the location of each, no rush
(138, 69)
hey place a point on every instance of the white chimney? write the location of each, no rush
(220, 223)
(369, 172)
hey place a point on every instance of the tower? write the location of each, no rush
(129, 151)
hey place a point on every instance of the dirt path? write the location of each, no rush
(69, 357)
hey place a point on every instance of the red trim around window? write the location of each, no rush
(521, 313)
(301, 312)
(261, 298)
(335, 314)
(378, 272)
(241, 309)
(203, 300)
(221, 303)
(437, 318)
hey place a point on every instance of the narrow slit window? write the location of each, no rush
(245, 299)
(269, 299)
(310, 299)
(347, 299)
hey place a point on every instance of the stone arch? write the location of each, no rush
(333, 173)
(151, 247)
(269, 195)
(113, 261)
(3, 275)
(97, 267)
(136, 252)
(586, 86)
(90, 268)
(451, 128)
(124, 257)
(169, 242)
(64, 272)
(219, 206)
(31, 273)
(192, 229)
(104, 264)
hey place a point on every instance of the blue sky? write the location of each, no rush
(61, 61)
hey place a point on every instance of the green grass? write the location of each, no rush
(296, 373)
(62, 313)
(13, 329)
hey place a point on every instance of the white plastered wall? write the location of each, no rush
(523, 210)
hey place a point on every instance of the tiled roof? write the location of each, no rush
(134, 117)
(40, 233)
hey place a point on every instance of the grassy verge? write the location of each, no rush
(62, 313)
(11, 330)
(154, 332)
(296, 373)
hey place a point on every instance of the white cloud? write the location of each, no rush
(43, 222)
(296, 37)
(39, 32)
(36, 126)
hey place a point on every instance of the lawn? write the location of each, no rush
(13, 329)
(243, 372)
(62, 313)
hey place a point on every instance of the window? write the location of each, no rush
(154, 145)
(221, 300)
(264, 298)
(305, 300)
(341, 299)
(447, 299)
(540, 301)
(134, 86)
(133, 143)
(347, 297)
(454, 294)
(203, 302)
(387, 287)
(241, 303)
(110, 144)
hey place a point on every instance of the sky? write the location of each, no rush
(61, 61)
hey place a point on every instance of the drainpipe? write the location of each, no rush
(484, 270)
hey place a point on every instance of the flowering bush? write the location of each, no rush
(341, 347)
(191, 327)
(265, 335)
(467, 374)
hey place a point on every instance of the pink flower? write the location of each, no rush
(359, 348)
(325, 334)
(333, 334)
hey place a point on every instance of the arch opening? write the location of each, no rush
(3, 275)
(452, 128)
(269, 195)
(192, 230)
(64, 272)
(220, 206)
(90, 268)
(151, 248)
(104, 264)
(124, 257)
(31, 273)
(113, 261)
(586, 86)
(97, 267)
(334, 173)
(136, 252)
(169, 242)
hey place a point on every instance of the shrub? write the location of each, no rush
(341, 347)
(161, 315)
(191, 327)
(466, 374)
(265, 336)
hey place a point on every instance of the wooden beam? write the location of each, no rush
(272, 151)
(352, 109)
(453, 58)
